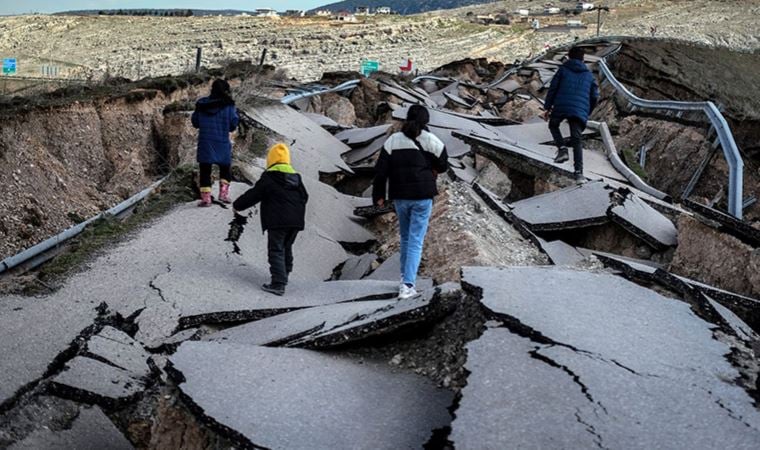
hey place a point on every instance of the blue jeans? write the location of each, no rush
(413, 219)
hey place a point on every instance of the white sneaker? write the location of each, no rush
(405, 292)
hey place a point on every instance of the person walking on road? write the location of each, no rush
(409, 165)
(215, 117)
(283, 198)
(572, 97)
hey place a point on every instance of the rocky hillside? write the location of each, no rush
(136, 47)
(403, 6)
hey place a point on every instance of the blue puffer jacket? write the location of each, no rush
(573, 92)
(215, 119)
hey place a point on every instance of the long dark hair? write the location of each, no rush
(416, 120)
(220, 90)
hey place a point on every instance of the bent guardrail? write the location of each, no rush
(719, 123)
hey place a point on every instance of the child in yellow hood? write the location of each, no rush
(283, 198)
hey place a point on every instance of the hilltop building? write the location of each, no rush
(363, 11)
(344, 16)
(295, 13)
(266, 12)
(383, 10)
(323, 13)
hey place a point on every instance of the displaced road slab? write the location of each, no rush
(284, 398)
(645, 222)
(574, 207)
(120, 350)
(647, 369)
(282, 329)
(91, 381)
(403, 313)
(524, 403)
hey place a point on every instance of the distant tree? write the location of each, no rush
(189, 13)
(101, 13)
(120, 12)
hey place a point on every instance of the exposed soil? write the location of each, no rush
(108, 143)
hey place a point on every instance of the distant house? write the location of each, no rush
(583, 6)
(363, 11)
(323, 13)
(266, 12)
(383, 10)
(551, 10)
(344, 16)
(295, 13)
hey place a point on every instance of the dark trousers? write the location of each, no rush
(225, 173)
(280, 246)
(576, 132)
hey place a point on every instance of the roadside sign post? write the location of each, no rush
(9, 66)
(369, 67)
(407, 66)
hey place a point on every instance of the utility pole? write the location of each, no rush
(198, 54)
(599, 10)
(263, 57)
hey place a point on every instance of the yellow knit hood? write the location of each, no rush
(278, 154)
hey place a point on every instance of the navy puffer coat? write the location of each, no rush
(573, 92)
(216, 119)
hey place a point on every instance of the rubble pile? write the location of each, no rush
(551, 314)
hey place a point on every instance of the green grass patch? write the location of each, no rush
(179, 188)
(629, 156)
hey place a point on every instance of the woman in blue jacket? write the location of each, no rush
(215, 117)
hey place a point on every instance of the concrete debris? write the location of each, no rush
(90, 381)
(300, 399)
(608, 370)
(91, 430)
(283, 329)
(120, 350)
(389, 270)
(356, 267)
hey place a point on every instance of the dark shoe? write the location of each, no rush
(562, 156)
(276, 289)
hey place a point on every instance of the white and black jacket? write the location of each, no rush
(409, 167)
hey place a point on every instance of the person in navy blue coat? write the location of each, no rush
(215, 117)
(572, 96)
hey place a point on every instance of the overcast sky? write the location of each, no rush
(49, 6)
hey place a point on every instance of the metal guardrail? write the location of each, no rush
(48, 244)
(719, 123)
(348, 85)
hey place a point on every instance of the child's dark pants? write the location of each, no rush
(280, 247)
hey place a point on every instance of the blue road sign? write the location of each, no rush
(9, 66)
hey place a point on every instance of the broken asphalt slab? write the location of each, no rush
(118, 349)
(415, 311)
(313, 149)
(647, 371)
(356, 267)
(90, 381)
(574, 207)
(644, 222)
(284, 398)
(281, 329)
(91, 430)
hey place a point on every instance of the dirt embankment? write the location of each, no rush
(673, 70)
(78, 152)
